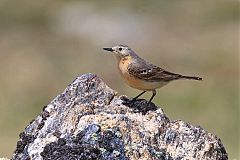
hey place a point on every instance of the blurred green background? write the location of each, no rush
(44, 45)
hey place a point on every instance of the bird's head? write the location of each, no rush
(121, 51)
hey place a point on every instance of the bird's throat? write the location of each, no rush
(124, 63)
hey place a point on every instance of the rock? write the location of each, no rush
(88, 121)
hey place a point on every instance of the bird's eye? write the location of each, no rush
(120, 49)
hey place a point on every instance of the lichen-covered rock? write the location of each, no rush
(88, 121)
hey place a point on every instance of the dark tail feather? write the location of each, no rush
(191, 77)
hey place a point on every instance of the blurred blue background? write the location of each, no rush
(45, 44)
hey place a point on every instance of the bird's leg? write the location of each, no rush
(131, 102)
(135, 98)
(154, 93)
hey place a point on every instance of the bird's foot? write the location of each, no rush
(139, 105)
(128, 102)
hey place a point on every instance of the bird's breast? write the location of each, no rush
(133, 81)
(123, 66)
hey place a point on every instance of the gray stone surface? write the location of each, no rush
(88, 121)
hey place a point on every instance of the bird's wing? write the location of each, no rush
(150, 72)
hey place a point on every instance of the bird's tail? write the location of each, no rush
(191, 77)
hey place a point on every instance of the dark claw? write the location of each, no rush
(127, 102)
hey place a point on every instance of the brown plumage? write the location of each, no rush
(141, 74)
(150, 72)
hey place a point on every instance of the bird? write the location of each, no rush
(140, 74)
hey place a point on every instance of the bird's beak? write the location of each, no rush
(108, 49)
